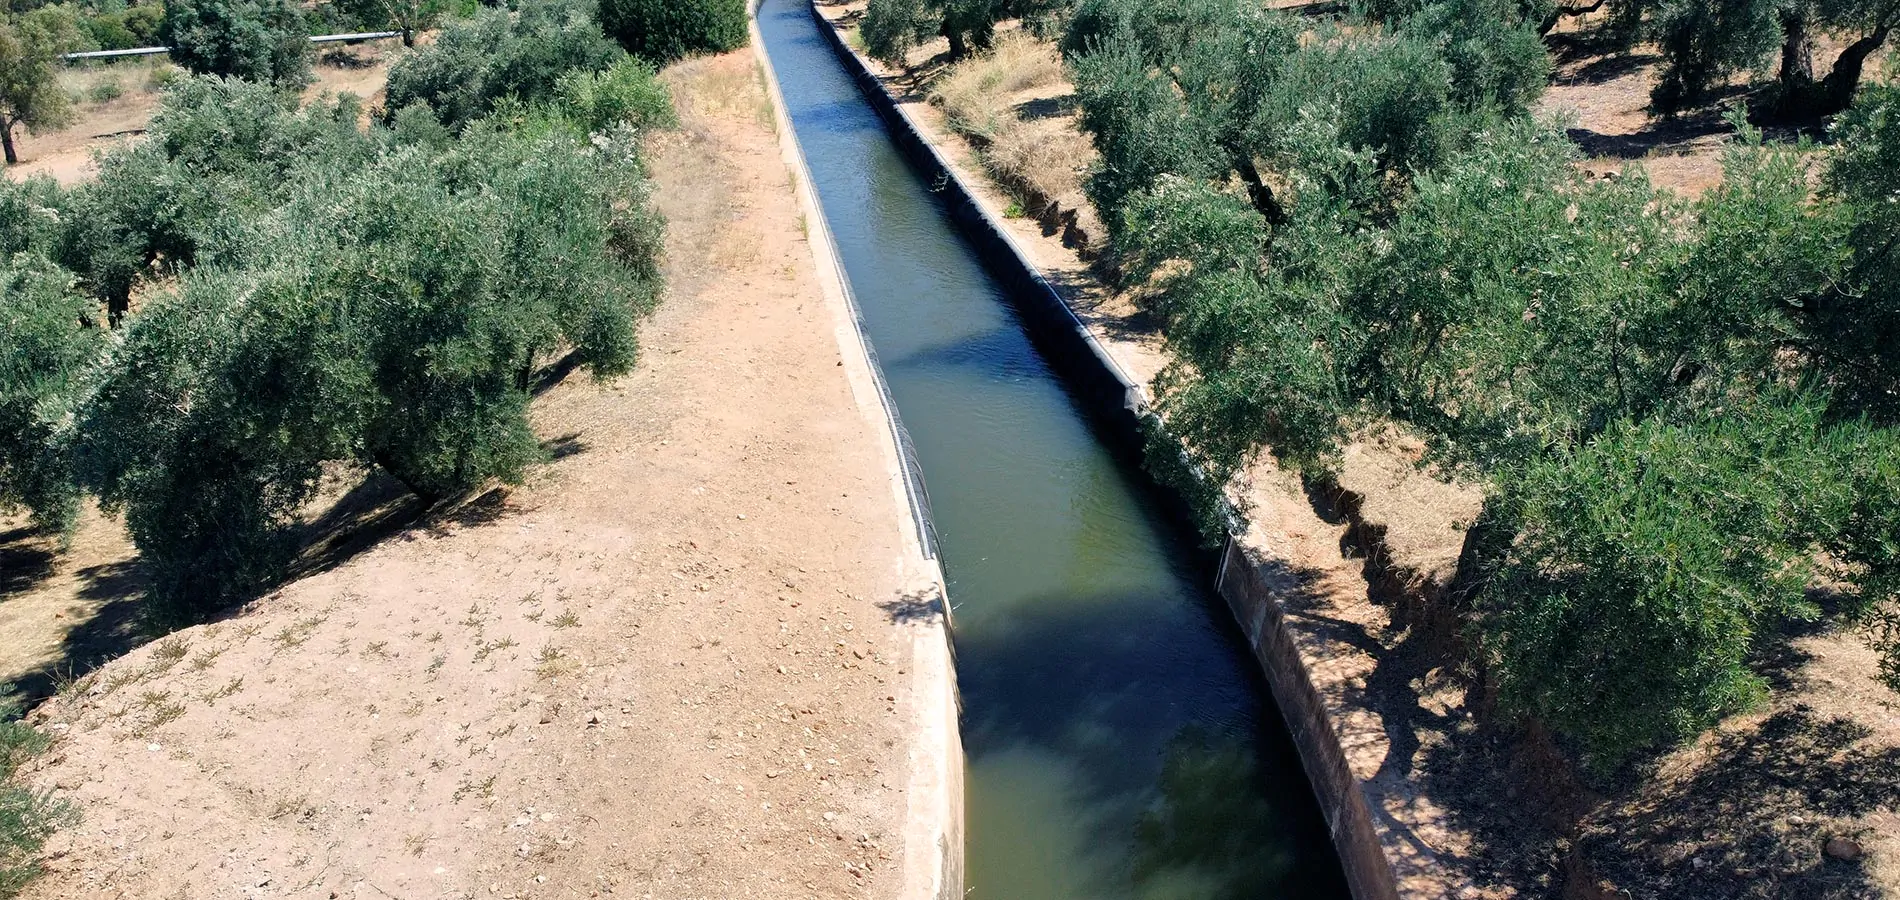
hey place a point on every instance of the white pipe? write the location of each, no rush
(149, 51)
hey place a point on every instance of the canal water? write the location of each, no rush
(1121, 741)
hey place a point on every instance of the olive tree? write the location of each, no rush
(406, 16)
(1707, 41)
(46, 348)
(30, 95)
(380, 300)
(1681, 413)
(891, 28)
(256, 40)
(661, 31)
(476, 62)
(220, 149)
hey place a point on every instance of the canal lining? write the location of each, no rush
(1103, 389)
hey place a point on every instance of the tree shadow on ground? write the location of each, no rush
(1589, 43)
(1507, 791)
(1451, 757)
(915, 607)
(1080, 291)
(110, 632)
(560, 448)
(25, 560)
(374, 509)
(1536, 823)
(1661, 136)
(1602, 69)
(1742, 827)
(1047, 107)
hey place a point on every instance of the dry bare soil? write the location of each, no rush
(1467, 806)
(663, 668)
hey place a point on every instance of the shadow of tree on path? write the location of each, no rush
(1743, 827)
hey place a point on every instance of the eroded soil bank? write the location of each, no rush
(665, 667)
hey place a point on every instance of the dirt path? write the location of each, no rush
(664, 668)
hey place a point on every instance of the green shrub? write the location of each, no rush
(630, 92)
(476, 62)
(143, 22)
(106, 91)
(661, 31)
(1649, 561)
(892, 27)
(256, 40)
(46, 347)
(133, 26)
(1857, 323)
(27, 817)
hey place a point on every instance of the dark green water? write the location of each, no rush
(1121, 742)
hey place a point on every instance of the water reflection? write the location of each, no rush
(1208, 837)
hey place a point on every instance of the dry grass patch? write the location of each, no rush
(1037, 159)
(977, 95)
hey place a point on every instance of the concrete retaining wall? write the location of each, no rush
(1252, 587)
(932, 826)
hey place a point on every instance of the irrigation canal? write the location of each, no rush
(1121, 742)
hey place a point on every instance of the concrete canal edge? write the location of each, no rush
(1251, 579)
(933, 822)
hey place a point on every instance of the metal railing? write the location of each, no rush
(152, 51)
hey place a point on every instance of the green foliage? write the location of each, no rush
(1495, 53)
(407, 16)
(1212, 89)
(1648, 562)
(1706, 41)
(1515, 304)
(1139, 124)
(1164, 32)
(220, 148)
(124, 29)
(48, 340)
(256, 40)
(475, 63)
(46, 347)
(661, 31)
(892, 28)
(630, 92)
(1857, 321)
